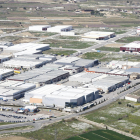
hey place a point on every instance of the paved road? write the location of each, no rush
(37, 125)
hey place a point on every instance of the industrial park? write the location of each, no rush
(69, 70)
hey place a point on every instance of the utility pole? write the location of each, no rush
(55, 135)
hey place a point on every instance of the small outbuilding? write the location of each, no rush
(133, 98)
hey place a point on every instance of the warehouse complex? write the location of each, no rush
(26, 48)
(61, 96)
(14, 89)
(98, 35)
(133, 47)
(39, 27)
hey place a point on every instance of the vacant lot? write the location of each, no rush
(68, 44)
(101, 135)
(111, 56)
(17, 39)
(14, 138)
(119, 115)
(59, 52)
(128, 39)
(111, 49)
(63, 130)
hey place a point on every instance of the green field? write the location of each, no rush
(109, 49)
(128, 39)
(68, 44)
(59, 52)
(101, 135)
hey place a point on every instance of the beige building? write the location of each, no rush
(133, 98)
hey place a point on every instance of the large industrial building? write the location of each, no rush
(39, 27)
(47, 74)
(77, 62)
(60, 28)
(4, 73)
(133, 47)
(26, 48)
(29, 61)
(98, 35)
(14, 89)
(61, 96)
(104, 82)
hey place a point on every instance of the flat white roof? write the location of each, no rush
(4, 71)
(135, 44)
(67, 60)
(59, 90)
(97, 34)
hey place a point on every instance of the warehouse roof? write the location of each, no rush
(4, 71)
(67, 60)
(97, 34)
(132, 70)
(59, 91)
(105, 70)
(84, 62)
(133, 96)
(135, 44)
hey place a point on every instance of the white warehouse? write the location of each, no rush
(61, 96)
(39, 27)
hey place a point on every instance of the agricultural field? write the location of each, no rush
(59, 52)
(128, 39)
(64, 130)
(68, 44)
(122, 115)
(101, 135)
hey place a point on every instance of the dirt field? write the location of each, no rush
(14, 138)
(23, 40)
(115, 45)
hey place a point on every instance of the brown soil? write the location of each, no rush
(14, 138)
(115, 45)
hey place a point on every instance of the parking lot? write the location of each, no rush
(12, 117)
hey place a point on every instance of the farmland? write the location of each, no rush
(119, 115)
(101, 135)
(68, 44)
